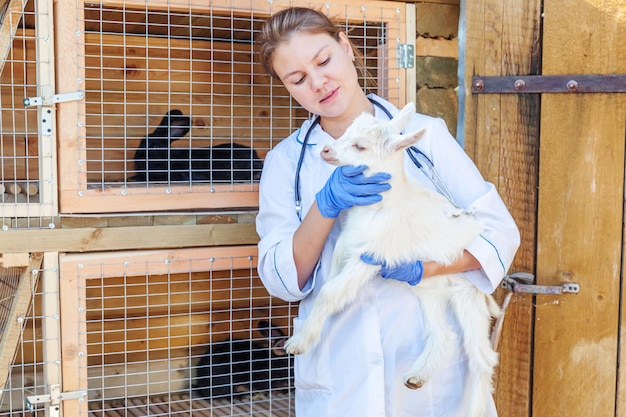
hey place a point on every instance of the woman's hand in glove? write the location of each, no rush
(411, 272)
(347, 187)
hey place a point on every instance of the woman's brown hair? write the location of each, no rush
(281, 25)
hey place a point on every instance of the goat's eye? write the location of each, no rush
(358, 147)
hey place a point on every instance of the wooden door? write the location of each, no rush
(558, 162)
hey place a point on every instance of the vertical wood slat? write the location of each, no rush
(50, 318)
(67, 15)
(501, 135)
(580, 213)
(70, 78)
(44, 27)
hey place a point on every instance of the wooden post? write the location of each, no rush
(579, 228)
(501, 136)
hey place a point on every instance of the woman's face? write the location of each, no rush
(318, 72)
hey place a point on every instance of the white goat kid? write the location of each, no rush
(410, 223)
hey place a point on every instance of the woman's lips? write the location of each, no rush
(330, 96)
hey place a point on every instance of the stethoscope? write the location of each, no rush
(418, 157)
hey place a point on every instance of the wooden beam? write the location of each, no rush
(501, 136)
(580, 222)
(92, 239)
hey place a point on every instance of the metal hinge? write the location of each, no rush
(54, 398)
(523, 282)
(520, 84)
(45, 115)
(406, 55)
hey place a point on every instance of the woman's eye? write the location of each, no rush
(324, 62)
(299, 81)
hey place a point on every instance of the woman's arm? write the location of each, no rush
(465, 263)
(308, 242)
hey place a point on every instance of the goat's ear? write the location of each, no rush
(403, 117)
(404, 141)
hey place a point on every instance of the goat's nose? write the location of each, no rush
(325, 153)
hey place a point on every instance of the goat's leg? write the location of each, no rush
(437, 340)
(339, 291)
(474, 311)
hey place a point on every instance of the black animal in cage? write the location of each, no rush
(227, 162)
(157, 161)
(238, 366)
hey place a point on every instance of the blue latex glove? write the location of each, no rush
(347, 187)
(411, 272)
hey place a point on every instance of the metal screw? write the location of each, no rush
(572, 85)
(479, 85)
(519, 85)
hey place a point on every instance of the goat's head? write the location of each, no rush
(371, 141)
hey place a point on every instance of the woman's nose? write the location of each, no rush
(318, 80)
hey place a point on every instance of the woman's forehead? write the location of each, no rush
(299, 49)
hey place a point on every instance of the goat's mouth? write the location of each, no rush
(330, 160)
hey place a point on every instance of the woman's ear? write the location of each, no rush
(345, 42)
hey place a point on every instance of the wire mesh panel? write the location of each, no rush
(176, 105)
(172, 331)
(27, 157)
(31, 357)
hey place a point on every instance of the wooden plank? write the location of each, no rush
(579, 228)
(73, 341)
(46, 69)
(8, 260)
(160, 198)
(70, 78)
(501, 135)
(92, 239)
(50, 323)
(411, 76)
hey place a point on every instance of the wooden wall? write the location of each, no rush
(558, 161)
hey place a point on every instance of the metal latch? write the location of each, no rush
(45, 115)
(57, 98)
(405, 55)
(523, 282)
(54, 398)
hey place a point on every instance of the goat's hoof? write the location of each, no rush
(292, 347)
(413, 383)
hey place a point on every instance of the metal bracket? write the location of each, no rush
(54, 398)
(45, 114)
(520, 84)
(57, 98)
(523, 282)
(406, 55)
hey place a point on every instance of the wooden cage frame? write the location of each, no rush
(76, 198)
(77, 269)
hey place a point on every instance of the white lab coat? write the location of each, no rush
(357, 368)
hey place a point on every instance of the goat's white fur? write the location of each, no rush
(411, 222)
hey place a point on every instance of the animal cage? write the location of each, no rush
(183, 77)
(28, 178)
(166, 332)
(30, 347)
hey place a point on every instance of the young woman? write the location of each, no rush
(358, 365)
